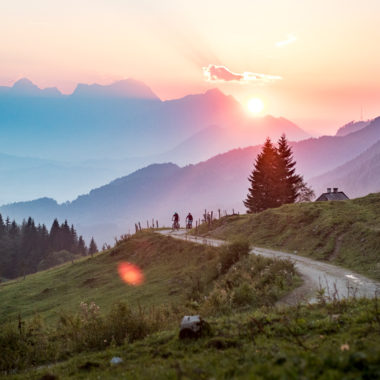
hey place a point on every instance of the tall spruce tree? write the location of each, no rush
(262, 193)
(288, 182)
(274, 181)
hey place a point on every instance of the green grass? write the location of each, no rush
(345, 233)
(234, 291)
(323, 341)
(84, 306)
(168, 266)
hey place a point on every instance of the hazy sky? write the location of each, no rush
(314, 62)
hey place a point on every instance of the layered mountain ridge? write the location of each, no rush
(220, 182)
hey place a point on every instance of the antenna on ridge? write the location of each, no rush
(361, 113)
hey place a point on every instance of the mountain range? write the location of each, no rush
(122, 120)
(357, 177)
(158, 190)
(99, 133)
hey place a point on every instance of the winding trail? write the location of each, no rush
(337, 282)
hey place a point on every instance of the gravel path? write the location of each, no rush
(338, 282)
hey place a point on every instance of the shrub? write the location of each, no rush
(253, 281)
(25, 344)
(244, 295)
(232, 253)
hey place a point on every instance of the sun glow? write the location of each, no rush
(255, 105)
(131, 274)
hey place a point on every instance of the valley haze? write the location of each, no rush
(79, 143)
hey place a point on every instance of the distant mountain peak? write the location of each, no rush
(25, 86)
(352, 126)
(215, 92)
(24, 82)
(126, 88)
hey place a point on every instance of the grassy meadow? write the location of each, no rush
(167, 266)
(339, 340)
(345, 233)
(80, 307)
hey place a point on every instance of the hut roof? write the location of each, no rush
(334, 195)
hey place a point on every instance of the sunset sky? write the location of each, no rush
(314, 62)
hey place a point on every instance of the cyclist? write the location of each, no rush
(175, 219)
(189, 221)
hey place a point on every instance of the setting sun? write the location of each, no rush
(255, 105)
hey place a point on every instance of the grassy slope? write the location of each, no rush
(344, 233)
(333, 341)
(167, 264)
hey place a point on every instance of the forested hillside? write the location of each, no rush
(27, 248)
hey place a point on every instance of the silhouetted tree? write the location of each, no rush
(92, 248)
(288, 182)
(274, 181)
(82, 250)
(73, 240)
(55, 236)
(262, 193)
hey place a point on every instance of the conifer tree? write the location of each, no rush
(73, 240)
(274, 181)
(66, 239)
(293, 187)
(82, 250)
(43, 238)
(288, 182)
(92, 248)
(55, 236)
(262, 193)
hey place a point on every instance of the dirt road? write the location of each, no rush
(336, 281)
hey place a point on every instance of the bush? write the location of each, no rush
(253, 281)
(244, 295)
(24, 344)
(232, 253)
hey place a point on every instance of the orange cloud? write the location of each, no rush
(214, 73)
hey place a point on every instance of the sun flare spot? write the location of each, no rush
(131, 274)
(255, 105)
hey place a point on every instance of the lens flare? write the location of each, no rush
(131, 274)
